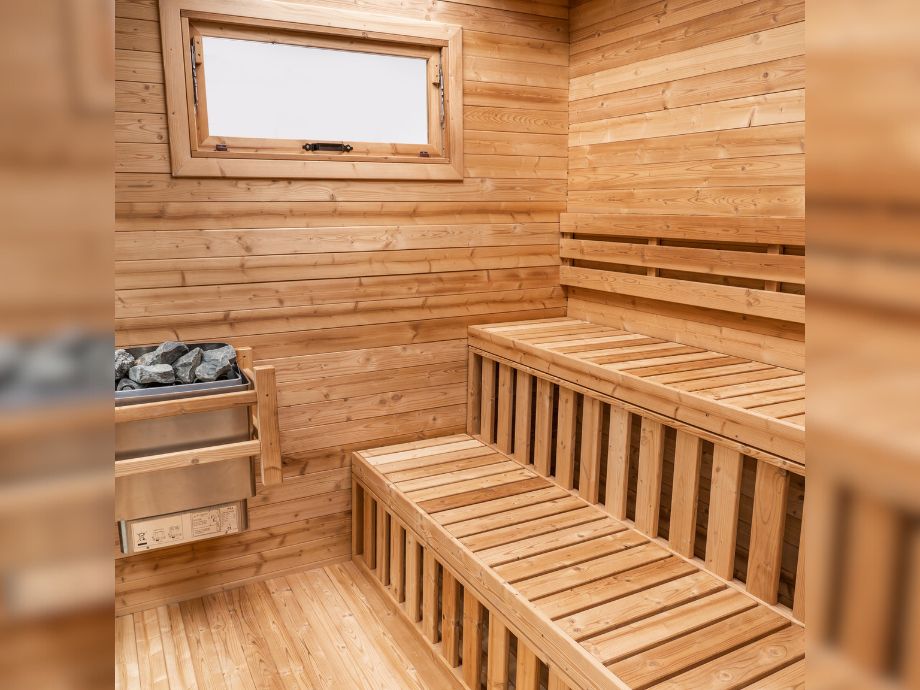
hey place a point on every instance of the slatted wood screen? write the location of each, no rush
(686, 172)
(739, 516)
(469, 637)
(728, 265)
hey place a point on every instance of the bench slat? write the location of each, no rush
(619, 601)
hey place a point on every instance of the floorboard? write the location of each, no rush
(323, 628)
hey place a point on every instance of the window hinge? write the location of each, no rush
(193, 54)
(441, 89)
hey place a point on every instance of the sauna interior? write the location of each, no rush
(515, 298)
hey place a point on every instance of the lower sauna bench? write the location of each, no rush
(329, 628)
(513, 579)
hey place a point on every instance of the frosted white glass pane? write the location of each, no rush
(280, 91)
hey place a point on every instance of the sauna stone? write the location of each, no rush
(224, 356)
(127, 385)
(167, 353)
(124, 360)
(211, 370)
(152, 373)
(187, 364)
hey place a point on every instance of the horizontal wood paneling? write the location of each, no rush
(358, 292)
(686, 175)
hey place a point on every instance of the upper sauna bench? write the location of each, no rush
(759, 405)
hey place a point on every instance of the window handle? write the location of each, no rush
(343, 148)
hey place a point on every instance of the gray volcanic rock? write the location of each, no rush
(128, 385)
(170, 351)
(166, 353)
(124, 360)
(225, 355)
(147, 359)
(186, 365)
(153, 373)
(211, 370)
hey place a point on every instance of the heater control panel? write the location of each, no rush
(160, 531)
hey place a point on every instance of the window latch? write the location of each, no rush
(342, 148)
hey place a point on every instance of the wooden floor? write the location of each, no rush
(651, 618)
(324, 628)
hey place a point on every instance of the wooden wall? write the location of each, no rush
(687, 130)
(358, 292)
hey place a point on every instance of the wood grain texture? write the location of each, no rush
(203, 257)
(326, 628)
(686, 132)
(595, 601)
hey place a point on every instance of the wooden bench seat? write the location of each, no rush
(602, 604)
(756, 404)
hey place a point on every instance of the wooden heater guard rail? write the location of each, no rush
(263, 403)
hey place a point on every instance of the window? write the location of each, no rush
(339, 98)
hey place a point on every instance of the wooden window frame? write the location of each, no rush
(195, 153)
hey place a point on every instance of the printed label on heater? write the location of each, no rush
(167, 530)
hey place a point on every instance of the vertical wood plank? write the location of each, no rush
(772, 285)
(397, 559)
(505, 410)
(589, 470)
(685, 495)
(724, 503)
(497, 657)
(911, 642)
(473, 394)
(450, 620)
(653, 270)
(648, 487)
(487, 408)
(528, 668)
(370, 535)
(768, 523)
(126, 668)
(543, 431)
(555, 681)
(413, 578)
(429, 596)
(473, 614)
(821, 537)
(523, 409)
(383, 546)
(269, 433)
(618, 444)
(565, 438)
(799, 597)
(867, 602)
(357, 519)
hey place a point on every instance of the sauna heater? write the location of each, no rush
(178, 505)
